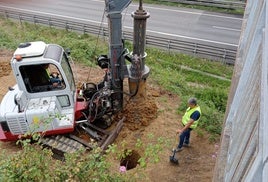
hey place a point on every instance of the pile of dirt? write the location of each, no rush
(139, 114)
(6, 76)
(5, 67)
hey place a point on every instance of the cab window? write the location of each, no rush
(41, 78)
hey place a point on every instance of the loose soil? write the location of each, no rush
(154, 115)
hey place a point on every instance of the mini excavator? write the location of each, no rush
(46, 99)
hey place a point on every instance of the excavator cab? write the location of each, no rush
(44, 97)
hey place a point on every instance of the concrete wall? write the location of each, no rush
(244, 142)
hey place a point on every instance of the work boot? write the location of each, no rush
(186, 144)
(178, 149)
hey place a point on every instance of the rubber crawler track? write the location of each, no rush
(61, 144)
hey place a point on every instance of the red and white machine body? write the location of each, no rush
(34, 104)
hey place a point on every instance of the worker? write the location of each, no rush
(46, 68)
(189, 121)
(54, 77)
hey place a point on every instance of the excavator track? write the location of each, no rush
(61, 144)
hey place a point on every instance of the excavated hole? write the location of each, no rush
(131, 160)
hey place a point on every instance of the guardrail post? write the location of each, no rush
(168, 45)
(84, 29)
(34, 19)
(103, 33)
(224, 56)
(66, 26)
(6, 14)
(20, 20)
(195, 48)
(49, 22)
(123, 36)
(225, 53)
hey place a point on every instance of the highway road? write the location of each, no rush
(164, 20)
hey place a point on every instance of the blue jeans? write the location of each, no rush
(184, 137)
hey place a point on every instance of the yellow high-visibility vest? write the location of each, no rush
(188, 113)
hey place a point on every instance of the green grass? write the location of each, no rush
(84, 48)
(166, 68)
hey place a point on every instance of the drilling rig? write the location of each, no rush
(46, 99)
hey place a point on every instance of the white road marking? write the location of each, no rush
(225, 28)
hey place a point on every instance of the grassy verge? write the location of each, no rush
(167, 69)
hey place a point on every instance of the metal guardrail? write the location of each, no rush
(203, 49)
